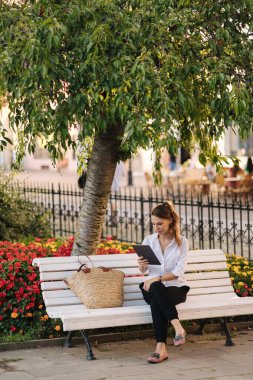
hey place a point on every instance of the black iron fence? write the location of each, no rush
(208, 221)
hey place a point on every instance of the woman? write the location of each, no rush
(166, 286)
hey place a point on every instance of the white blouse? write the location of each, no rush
(173, 260)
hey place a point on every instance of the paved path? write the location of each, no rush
(196, 360)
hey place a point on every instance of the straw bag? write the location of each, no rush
(97, 287)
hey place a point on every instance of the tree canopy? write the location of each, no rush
(170, 72)
(125, 74)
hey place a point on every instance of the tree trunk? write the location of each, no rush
(97, 190)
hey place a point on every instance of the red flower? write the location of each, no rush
(13, 328)
(31, 276)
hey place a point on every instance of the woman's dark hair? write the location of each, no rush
(166, 210)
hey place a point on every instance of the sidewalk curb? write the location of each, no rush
(210, 329)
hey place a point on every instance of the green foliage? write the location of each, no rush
(19, 218)
(171, 72)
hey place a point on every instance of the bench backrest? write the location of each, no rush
(206, 273)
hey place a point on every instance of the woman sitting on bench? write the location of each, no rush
(166, 286)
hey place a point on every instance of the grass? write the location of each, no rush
(31, 335)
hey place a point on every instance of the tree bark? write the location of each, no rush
(97, 190)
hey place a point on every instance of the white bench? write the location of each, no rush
(211, 294)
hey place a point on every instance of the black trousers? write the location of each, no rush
(163, 301)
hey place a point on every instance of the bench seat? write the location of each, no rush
(211, 295)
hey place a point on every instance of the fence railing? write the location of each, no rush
(208, 221)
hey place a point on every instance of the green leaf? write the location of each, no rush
(202, 159)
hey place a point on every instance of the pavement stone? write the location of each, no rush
(126, 360)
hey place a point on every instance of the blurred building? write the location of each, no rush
(230, 144)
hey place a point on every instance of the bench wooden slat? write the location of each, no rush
(46, 276)
(55, 285)
(133, 288)
(56, 311)
(100, 258)
(210, 283)
(76, 301)
(68, 293)
(206, 275)
(206, 266)
(192, 278)
(211, 290)
(201, 293)
(54, 267)
(67, 296)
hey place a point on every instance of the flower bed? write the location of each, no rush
(241, 274)
(21, 303)
(109, 246)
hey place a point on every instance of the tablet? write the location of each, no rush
(147, 253)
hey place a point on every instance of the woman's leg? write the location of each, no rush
(162, 301)
(179, 330)
(167, 299)
(160, 323)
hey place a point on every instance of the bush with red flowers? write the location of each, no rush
(21, 302)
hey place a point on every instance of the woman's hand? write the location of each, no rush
(143, 264)
(150, 281)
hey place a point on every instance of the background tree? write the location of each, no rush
(128, 74)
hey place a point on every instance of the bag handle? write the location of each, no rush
(88, 270)
(85, 264)
(105, 269)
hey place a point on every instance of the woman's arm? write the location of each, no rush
(167, 277)
(180, 267)
(164, 277)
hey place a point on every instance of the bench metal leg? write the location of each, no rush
(223, 322)
(68, 342)
(90, 355)
(201, 327)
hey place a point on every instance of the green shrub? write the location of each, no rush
(19, 218)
